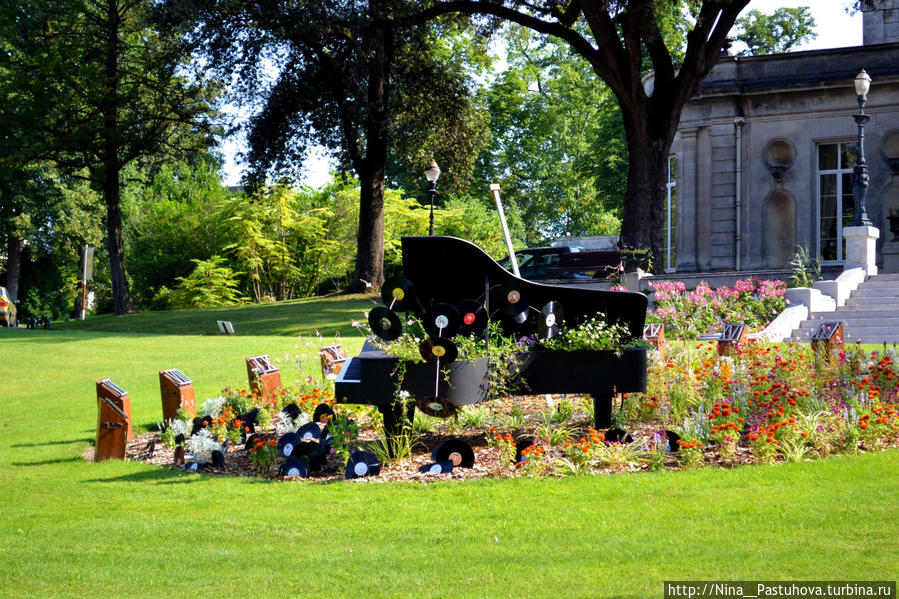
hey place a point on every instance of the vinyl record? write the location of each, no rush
(457, 451)
(398, 293)
(441, 320)
(218, 459)
(385, 323)
(194, 466)
(322, 410)
(473, 316)
(201, 422)
(292, 410)
(310, 432)
(433, 349)
(437, 468)
(435, 406)
(315, 455)
(362, 463)
(249, 418)
(509, 293)
(616, 435)
(550, 321)
(673, 445)
(520, 447)
(287, 444)
(294, 466)
(251, 440)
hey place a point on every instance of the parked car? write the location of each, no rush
(7, 309)
(542, 263)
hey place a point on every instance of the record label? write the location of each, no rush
(442, 320)
(474, 317)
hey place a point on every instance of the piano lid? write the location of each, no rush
(450, 269)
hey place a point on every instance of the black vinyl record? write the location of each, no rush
(385, 323)
(437, 468)
(322, 410)
(517, 313)
(433, 349)
(441, 320)
(199, 423)
(294, 466)
(521, 446)
(457, 451)
(473, 317)
(673, 445)
(218, 459)
(249, 418)
(362, 463)
(435, 406)
(251, 440)
(288, 443)
(550, 321)
(398, 293)
(616, 435)
(292, 410)
(310, 432)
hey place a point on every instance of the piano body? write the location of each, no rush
(450, 270)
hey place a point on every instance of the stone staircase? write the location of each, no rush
(871, 313)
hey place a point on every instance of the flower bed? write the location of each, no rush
(761, 404)
(687, 314)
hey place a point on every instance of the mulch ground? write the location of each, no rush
(487, 461)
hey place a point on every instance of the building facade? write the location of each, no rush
(762, 162)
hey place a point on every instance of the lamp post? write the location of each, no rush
(860, 172)
(432, 173)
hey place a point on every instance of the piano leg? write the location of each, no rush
(602, 410)
(393, 419)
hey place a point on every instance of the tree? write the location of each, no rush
(622, 40)
(557, 143)
(338, 74)
(91, 85)
(775, 33)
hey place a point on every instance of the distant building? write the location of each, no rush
(762, 161)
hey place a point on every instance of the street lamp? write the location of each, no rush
(432, 173)
(860, 172)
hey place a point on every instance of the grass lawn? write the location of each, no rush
(70, 528)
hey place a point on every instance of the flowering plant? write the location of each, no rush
(202, 445)
(264, 452)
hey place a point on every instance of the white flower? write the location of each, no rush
(179, 427)
(404, 395)
(212, 407)
(202, 445)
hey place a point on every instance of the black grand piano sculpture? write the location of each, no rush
(454, 286)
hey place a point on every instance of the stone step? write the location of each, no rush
(875, 292)
(875, 304)
(808, 325)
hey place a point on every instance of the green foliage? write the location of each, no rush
(172, 218)
(776, 33)
(557, 146)
(806, 268)
(210, 284)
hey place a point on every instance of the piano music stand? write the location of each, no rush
(829, 337)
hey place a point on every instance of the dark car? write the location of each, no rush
(538, 264)
(7, 309)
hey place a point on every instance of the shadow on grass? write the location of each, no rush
(49, 462)
(65, 442)
(154, 475)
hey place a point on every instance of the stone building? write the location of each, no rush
(762, 162)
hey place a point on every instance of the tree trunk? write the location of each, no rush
(13, 265)
(370, 238)
(121, 294)
(648, 143)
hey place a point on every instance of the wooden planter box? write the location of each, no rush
(595, 372)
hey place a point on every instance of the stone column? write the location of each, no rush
(686, 202)
(861, 248)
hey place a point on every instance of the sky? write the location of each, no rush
(835, 28)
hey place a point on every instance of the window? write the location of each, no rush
(836, 204)
(669, 260)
